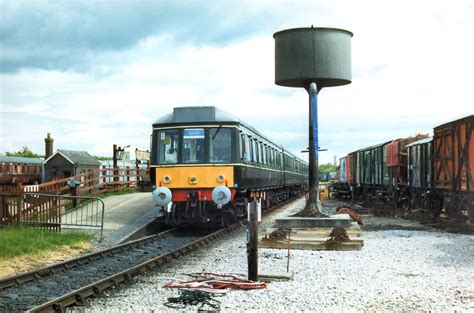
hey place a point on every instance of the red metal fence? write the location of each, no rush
(15, 206)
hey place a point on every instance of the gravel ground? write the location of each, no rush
(396, 270)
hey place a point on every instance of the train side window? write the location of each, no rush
(252, 149)
(248, 156)
(264, 154)
(243, 147)
(168, 146)
(220, 145)
(255, 149)
(269, 156)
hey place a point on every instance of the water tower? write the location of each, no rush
(313, 58)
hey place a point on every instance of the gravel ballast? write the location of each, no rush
(401, 270)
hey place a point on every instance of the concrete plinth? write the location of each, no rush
(338, 220)
(271, 277)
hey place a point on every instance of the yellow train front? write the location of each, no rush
(206, 165)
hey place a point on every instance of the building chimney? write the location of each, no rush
(48, 146)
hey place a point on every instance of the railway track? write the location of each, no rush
(53, 288)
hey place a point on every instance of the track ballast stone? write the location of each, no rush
(402, 270)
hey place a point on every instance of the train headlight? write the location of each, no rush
(220, 178)
(166, 179)
(162, 196)
(221, 195)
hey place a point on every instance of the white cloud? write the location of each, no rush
(412, 68)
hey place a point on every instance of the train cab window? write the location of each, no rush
(220, 145)
(168, 146)
(193, 143)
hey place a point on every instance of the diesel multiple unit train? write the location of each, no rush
(433, 175)
(206, 165)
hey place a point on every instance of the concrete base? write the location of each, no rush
(313, 239)
(338, 220)
(271, 277)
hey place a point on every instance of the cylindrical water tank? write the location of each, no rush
(320, 55)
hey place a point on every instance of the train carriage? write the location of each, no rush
(207, 164)
(20, 170)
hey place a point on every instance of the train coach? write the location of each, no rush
(20, 170)
(206, 165)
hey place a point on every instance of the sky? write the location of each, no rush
(98, 73)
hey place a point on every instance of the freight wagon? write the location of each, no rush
(432, 174)
(377, 172)
(453, 156)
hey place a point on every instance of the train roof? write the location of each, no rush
(469, 117)
(22, 160)
(197, 114)
(420, 142)
(371, 147)
(208, 114)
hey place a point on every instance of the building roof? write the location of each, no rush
(76, 157)
(22, 160)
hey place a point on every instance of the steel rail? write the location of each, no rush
(78, 296)
(17, 280)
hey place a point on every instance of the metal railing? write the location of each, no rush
(59, 211)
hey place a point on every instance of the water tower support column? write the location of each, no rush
(312, 203)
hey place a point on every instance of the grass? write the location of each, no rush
(117, 193)
(18, 241)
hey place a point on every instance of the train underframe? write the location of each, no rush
(194, 210)
(424, 204)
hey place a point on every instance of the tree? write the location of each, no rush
(327, 168)
(25, 152)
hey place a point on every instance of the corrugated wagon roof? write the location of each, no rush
(419, 142)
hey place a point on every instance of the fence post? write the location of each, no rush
(18, 207)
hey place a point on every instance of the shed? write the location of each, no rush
(66, 163)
